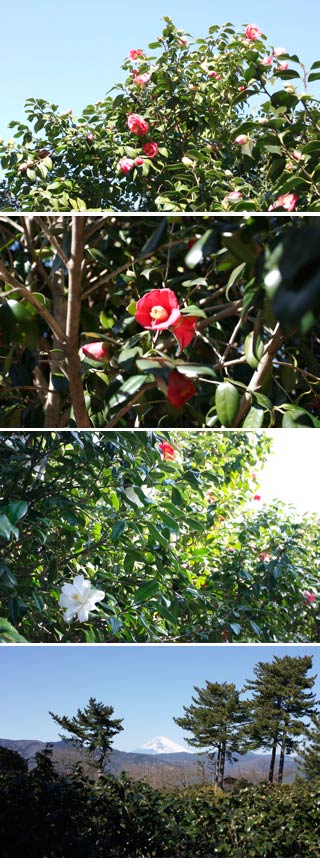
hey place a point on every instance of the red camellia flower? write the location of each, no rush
(139, 161)
(97, 351)
(288, 201)
(167, 450)
(141, 79)
(180, 389)
(252, 31)
(125, 165)
(184, 330)
(309, 597)
(134, 53)
(150, 149)
(136, 124)
(158, 309)
(257, 497)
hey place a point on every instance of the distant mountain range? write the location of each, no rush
(160, 761)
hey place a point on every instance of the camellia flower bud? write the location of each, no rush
(99, 351)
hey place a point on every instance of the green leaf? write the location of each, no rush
(254, 419)
(153, 242)
(7, 530)
(132, 385)
(146, 590)
(16, 510)
(118, 529)
(227, 403)
(8, 633)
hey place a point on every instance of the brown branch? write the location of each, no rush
(256, 381)
(28, 295)
(53, 241)
(73, 323)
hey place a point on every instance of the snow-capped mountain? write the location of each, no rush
(160, 744)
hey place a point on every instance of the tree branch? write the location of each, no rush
(256, 381)
(28, 295)
(73, 323)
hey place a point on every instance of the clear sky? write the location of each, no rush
(292, 470)
(70, 51)
(147, 686)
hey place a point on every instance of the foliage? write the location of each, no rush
(214, 718)
(310, 753)
(55, 816)
(244, 353)
(281, 704)
(180, 546)
(92, 728)
(11, 761)
(232, 123)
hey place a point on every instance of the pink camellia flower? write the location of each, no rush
(309, 597)
(158, 309)
(283, 66)
(278, 51)
(215, 75)
(242, 87)
(184, 330)
(141, 79)
(234, 196)
(97, 351)
(90, 137)
(167, 450)
(252, 31)
(241, 140)
(257, 497)
(150, 149)
(134, 53)
(180, 389)
(139, 161)
(288, 202)
(297, 155)
(182, 40)
(136, 124)
(125, 165)
(267, 61)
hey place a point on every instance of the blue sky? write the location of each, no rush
(70, 51)
(146, 685)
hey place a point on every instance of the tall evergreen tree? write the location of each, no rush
(310, 764)
(281, 701)
(214, 718)
(92, 729)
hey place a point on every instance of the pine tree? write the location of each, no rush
(214, 718)
(310, 765)
(92, 729)
(281, 702)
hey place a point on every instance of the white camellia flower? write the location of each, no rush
(79, 598)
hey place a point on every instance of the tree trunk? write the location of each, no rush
(282, 756)
(222, 764)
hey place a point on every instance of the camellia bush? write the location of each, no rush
(130, 537)
(47, 815)
(225, 122)
(159, 321)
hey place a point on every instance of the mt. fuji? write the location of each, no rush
(160, 744)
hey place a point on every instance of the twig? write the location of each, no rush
(28, 295)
